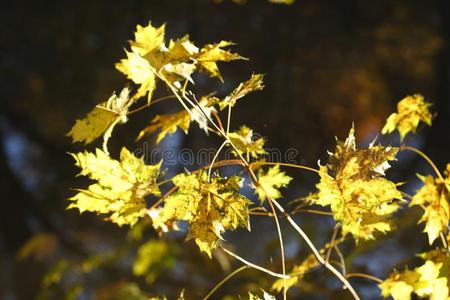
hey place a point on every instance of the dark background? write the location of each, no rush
(327, 64)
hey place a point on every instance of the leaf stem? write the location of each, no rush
(424, 156)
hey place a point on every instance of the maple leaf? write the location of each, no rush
(270, 182)
(102, 117)
(210, 54)
(167, 124)
(210, 208)
(434, 197)
(245, 143)
(410, 111)
(121, 185)
(428, 280)
(148, 38)
(353, 186)
(255, 83)
(139, 70)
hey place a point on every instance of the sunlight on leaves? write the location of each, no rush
(121, 185)
(210, 208)
(270, 182)
(434, 198)
(352, 184)
(104, 115)
(410, 111)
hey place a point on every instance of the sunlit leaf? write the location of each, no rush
(353, 186)
(246, 143)
(410, 111)
(210, 54)
(255, 83)
(210, 208)
(167, 124)
(434, 197)
(104, 115)
(121, 185)
(270, 182)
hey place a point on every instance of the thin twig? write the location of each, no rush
(254, 266)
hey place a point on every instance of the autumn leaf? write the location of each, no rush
(270, 182)
(410, 111)
(102, 117)
(210, 54)
(255, 83)
(428, 280)
(243, 139)
(434, 198)
(121, 185)
(352, 184)
(210, 208)
(139, 70)
(148, 38)
(167, 124)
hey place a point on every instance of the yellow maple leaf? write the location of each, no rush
(39, 246)
(270, 182)
(210, 208)
(255, 83)
(352, 184)
(121, 185)
(399, 285)
(139, 70)
(243, 139)
(410, 111)
(167, 124)
(428, 280)
(434, 197)
(148, 38)
(102, 117)
(210, 54)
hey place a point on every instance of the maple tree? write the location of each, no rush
(353, 184)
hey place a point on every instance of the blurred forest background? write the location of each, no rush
(327, 64)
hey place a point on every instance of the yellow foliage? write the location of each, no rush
(104, 115)
(434, 198)
(255, 83)
(270, 182)
(210, 208)
(410, 111)
(121, 185)
(167, 124)
(353, 186)
(245, 143)
(428, 280)
(150, 58)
